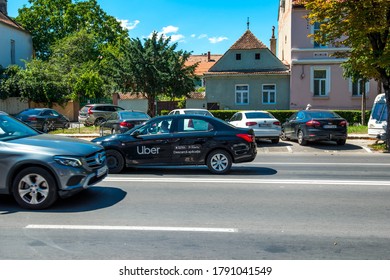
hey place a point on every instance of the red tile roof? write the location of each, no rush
(248, 41)
(205, 61)
(8, 21)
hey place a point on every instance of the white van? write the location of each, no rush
(378, 117)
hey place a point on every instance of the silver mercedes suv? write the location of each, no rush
(38, 168)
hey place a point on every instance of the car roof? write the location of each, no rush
(101, 104)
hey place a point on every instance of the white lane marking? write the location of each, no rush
(245, 181)
(368, 150)
(132, 228)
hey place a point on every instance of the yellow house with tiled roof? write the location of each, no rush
(248, 77)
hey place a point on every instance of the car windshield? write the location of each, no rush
(379, 112)
(133, 115)
(11, 129)
(258, 115)
(323, 115)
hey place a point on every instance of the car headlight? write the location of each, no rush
(68, 161)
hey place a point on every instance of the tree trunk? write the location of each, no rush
(386, 86)
(363, 116)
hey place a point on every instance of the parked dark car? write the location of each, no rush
(43, 119)
(96, 114)
(180, 140)
(122, 121)
(315, 125)
(37, 168)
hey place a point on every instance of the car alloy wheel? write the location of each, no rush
(219, 162)
(115, 161)
(34, 188)
(301, 138)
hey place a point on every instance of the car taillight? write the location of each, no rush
(277, 123)
(246, 137)
(343, 123)
(250, 123)
(313, 123)
(90, 111)
(32, 119)
(126, 124)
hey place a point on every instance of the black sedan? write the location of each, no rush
(315, 125)
(122, 121)
(43, 119)
(180, 140)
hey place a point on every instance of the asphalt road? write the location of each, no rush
(301, 203)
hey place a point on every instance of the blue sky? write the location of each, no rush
(198, 26)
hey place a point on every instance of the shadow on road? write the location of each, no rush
(91, 199)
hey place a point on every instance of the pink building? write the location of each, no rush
(316, 75)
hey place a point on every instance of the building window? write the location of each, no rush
(242, 94)
(357, 87)
(238, 56)
(320, 81)
(316, 29)
(13, 60)
(269, 94)
(257, 56)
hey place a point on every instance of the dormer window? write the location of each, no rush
(257, 56)
(238, 56)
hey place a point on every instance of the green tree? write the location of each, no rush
(52, 20)
(42, 82)
(364, 26)
(153, 68)
(9, 81)
(71, 72)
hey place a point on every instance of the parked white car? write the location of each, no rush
(187, 111)
(264, 124)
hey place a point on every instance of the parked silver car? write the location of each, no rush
(96, 114)
(37, 168)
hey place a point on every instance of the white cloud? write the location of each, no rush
(128, 25)
(193, 35)
(215, 40)
(170, 31)
(177, 37)
(201, 36)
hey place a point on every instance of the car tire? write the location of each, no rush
(275, 141)
(34, 188)
(219, 162)
(301, 138)
(283, 136)
(99, 121)
(45, 127)
(115, 161)
(341, 142)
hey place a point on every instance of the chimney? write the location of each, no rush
(208, 56)
(273, 41)
(3, 6)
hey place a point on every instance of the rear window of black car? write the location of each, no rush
(323, 115)
(30, 112)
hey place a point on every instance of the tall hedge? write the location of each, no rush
(352, 116)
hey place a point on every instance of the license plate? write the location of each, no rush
(330, 126)
(101, 171)
(264, 125)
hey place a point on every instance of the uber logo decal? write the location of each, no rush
(147, 151)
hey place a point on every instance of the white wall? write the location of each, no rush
(23, 45)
